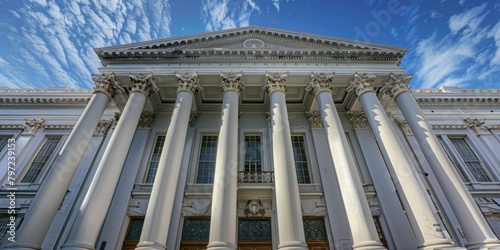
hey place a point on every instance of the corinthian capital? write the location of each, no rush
(275, 82)
(107, 84)
(188, 82)
(231, 82)
(396, 84)
(32, 126)
(358, 119)
(320, 83)
(361, 84)
(143, 83)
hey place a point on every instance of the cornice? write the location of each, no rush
(429, 101)
(50, 96)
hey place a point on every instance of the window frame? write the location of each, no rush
(458, 161)
(244, 153)
(197, 162)
(152, 152)
(307, 156)
(48, 163)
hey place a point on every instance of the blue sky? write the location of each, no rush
(49, 43)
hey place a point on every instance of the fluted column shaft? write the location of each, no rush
(161, 202)
(93, 210)
(223, 224)
(44, 207)
(364, 235)
(426, 226)
(477, 231)
(288, 207)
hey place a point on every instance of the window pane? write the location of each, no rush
(470, 159)
(314, 230)
(254, 230)
(41, 159)
(196, 230)
(4, 220)
(206, 162)
(301, 164)
(135, 229)
(3, 142)
(253, 149)
(155, 159)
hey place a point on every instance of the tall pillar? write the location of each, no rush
(94, 208)
(223, 221)
(364, 234)
(288, 208)
(477, 231)
(44, 207)
(426, 226)
(156, 223)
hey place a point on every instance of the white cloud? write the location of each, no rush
(225, 14)
(276, 4)
(461, 2)
(471, 19)
(56, 49)
(495, 34)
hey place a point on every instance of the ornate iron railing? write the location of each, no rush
(255, 177)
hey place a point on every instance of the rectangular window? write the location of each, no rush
(155, 159)
(41, 159)
(4, 220)
(206, 162)
(378, 227)
(133, 233)
(474, 168)
(301, 163)
(4, 141)
(253, 156)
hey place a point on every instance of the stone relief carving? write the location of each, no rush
(361, 84)
(102, 127)
(397, 84)
(320, 83)
(146, 119)
(32, 126)
(276, 81)
(231, 81)
(107, 84)
(358, 119)
(188, 82)
(143, 83)
(314, 119)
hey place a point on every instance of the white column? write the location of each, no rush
(156, 223)
(477, 231)
(288, 208)
(364, 235)
(44, 207)
(223, 221)
(94, 208)
(426, 226)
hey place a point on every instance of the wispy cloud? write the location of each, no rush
(59, 37)
(225, 14)
(462, 57)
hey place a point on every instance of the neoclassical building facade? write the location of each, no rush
(250, 138)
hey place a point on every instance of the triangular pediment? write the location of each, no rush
(250, 41)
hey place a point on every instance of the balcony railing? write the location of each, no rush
(255, 177)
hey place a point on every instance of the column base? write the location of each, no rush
(22, 246)
(490, 244)
(221, 245)
(150, 245)
(292, 245)
(440, 245)
(365, 245)
(77, 246)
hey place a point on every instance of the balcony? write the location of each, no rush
(255, 177)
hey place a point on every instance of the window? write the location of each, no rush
(196, 229)
(206, 162)
(378, 227)
(470, 166)
(253, 149)
(4, 220)
(155, 159)
(301, 164)
(133, 233)
(4, 141)
(315, 233)
(41, 159)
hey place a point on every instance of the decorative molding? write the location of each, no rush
(103, 127)
(449, 126)
(193, 117)
(461, 102)
(254, 208)
(314, 119)
(276, 82)
(404, 126)
(12, 126)
(146, 120)
(58, 126)
(32, 126)
(396, 85)
(188, 82)
(143, 83)
(494, 126)
(231, 81)
(358, 119)
(477, 125)
(361, 84)
(320, 83)
(107, 84)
